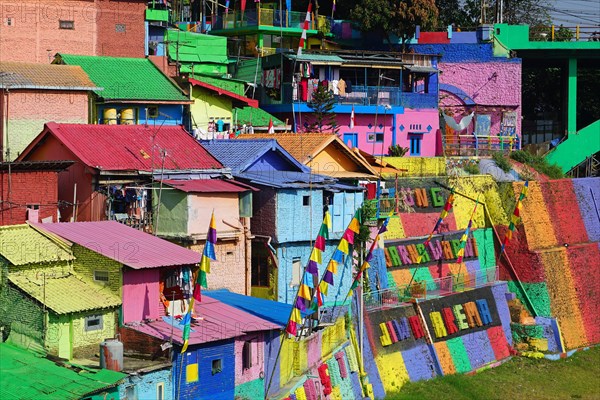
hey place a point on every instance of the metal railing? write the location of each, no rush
(425, 290)
(267, 17)
(475, 145)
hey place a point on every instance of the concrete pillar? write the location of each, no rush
(572, 96)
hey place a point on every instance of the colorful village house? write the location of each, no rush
(34, 33)
(28, 375)
(46, 303)
(287, 213)
(107, 181)
(381, 99)
(30, 191)
(135, 91)
(185, 210)
(32, 94)
(478, 88)
(302, 361)
(141, 271)
(226, 354)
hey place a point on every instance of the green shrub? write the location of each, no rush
(501, 161)
(522, 156)
(472, 169)
(539, 163)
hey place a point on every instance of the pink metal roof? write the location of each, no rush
(221, 91)
(129, 147)
(219, 322)
(207, 186)
(119, 242)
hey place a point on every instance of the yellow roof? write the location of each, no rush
(21, 245)
(64, 293)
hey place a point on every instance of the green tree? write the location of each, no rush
(322, 104)
(388, 17)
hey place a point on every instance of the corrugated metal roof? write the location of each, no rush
(192, 47)
(65, 294)
(24, 375)
(140, 147)
(287, 179)
(21, 245)
(127, 78)
(255, 116)
(119, 242)
(246, 100)
(240, 155)
(273, 311)
(19, 75)
(317, 59)
(219, 322)
(207, 186)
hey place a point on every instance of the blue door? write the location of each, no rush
(351, 139)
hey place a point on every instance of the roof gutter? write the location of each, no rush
(78, 88)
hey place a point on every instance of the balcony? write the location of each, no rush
(267, 17)
(476, 145)
(425, 290)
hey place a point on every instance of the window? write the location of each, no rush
(101, 276)
(93, 323)
(306, 200)
(217, 366)
(152, 112)
(296, 271)
(247, 355)
(376, 137)
(160, 391)
(262, 263)
(246, 204)
(415, 145)
(66, 24)
(120, 28)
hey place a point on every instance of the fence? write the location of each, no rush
(396, 296)
(472, 145)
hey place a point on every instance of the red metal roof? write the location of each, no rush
(124, 244)
(129, 147)
(219, 322)
(235, 96)
(208, 186)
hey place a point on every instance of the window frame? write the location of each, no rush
(98, 327)
(218, 367)
(107, 280)
(66, 24)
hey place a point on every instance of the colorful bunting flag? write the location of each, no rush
(443, 214)
(515, 216)
(310, 273)
(463, 240)
(207, 255)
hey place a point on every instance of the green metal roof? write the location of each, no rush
(24, 375)
(322, 59)
(191, 47)
(136, 79)
(65, 294)
(256, 116)
(22, 244)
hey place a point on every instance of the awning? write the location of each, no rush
(245, 100)
(418, 68)
(208, 186)
(317, 59)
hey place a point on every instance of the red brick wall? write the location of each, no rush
(137, 342)
(28, 187)
(33, 31)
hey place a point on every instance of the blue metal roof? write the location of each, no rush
(239, 155)
(272, 311)
(288, 179)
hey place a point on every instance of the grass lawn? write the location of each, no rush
(577, 377)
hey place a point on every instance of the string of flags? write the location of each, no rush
(309, 276)
(208, 254)
(515, 216)
(443, 214)
(463, 240)
(367, 262)
(337, 258)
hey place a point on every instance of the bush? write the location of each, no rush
(522, 156)
(397, 151)
(501, 161)
(539, 163)
(472, 169)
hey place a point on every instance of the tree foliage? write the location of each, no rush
(322, 104)
(469, 13)
(399, 18)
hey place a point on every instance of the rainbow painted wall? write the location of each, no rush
(556, 255)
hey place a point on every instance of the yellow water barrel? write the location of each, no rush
(109, 116)
(127, 116)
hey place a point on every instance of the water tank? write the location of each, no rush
(127, 116)
(111, 354)
(109, 116)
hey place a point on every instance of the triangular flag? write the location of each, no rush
(351, 117)
(271, 127)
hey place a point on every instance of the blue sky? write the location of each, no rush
(575, 12)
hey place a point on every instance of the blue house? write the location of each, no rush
(135, 91)
(287, 214)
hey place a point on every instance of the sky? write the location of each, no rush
(570, 13)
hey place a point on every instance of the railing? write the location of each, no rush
(472, 145)
(267, 17)
(425, 290)
(562, 33)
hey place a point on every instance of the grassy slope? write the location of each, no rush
(577, 377)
